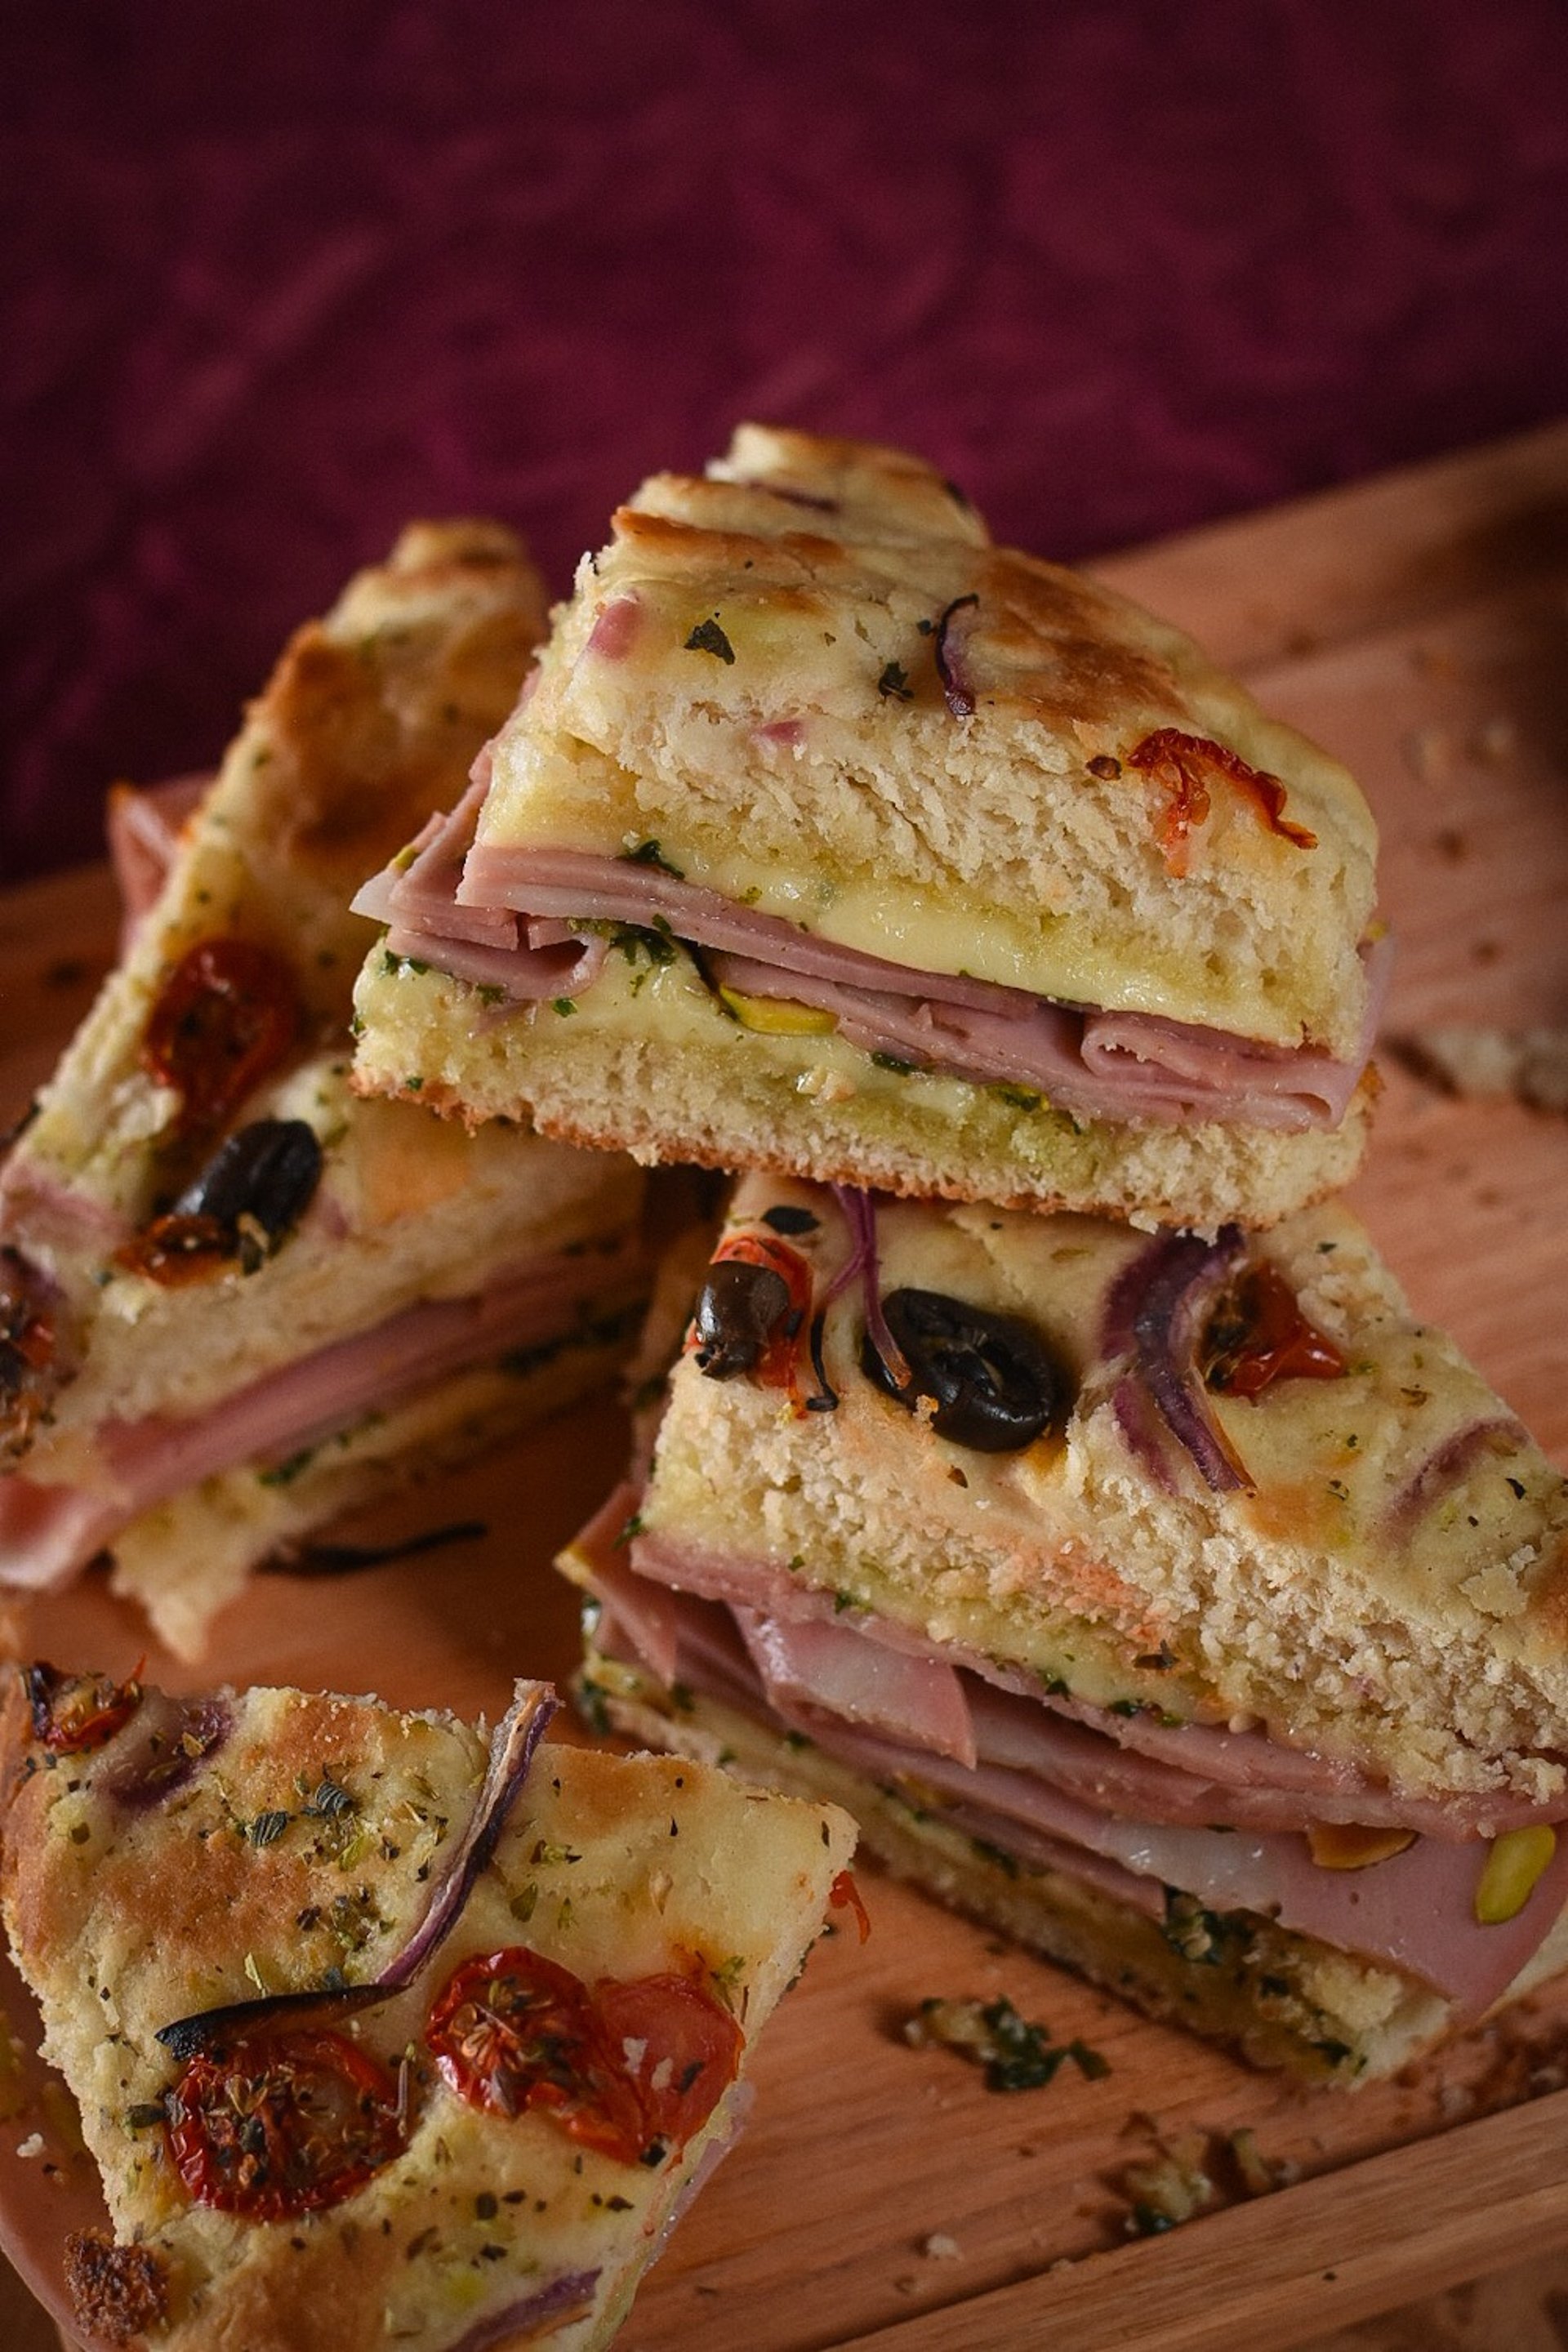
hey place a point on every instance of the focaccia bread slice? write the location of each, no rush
(381, 2035)
(832, 838)
(1185, 1608)
(235, 1298)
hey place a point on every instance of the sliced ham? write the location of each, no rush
(1242, 1776)
(418, 900)
(1414, 1911)
(503, 916)
(815, 1663)
(47, 1532)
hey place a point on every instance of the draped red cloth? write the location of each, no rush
(275, 279)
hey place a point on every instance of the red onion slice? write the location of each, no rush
(512, 1746)
(170, 1738)
(567, 2297)
(954, 686)
(860, 1215)
(1446, 1466)
(1143, 1429)
(1152, 1315)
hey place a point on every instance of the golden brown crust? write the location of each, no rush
(367, 734)
(117, 2292)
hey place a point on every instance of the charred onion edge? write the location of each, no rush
(826, 1399)
(960, 699)
(513, 1744)
(1152, 1316)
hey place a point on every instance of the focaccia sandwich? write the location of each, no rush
(1184, 1607)
(832, 838)
(234, 1298)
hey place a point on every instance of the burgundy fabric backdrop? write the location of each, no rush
(276, 278)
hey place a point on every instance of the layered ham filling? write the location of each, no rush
(49, 1532)
(535, 924)
(1134, 1805)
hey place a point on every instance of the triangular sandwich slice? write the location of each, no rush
(235, 1299)
(383, 2033)
(1185, 1608)
(833, 838)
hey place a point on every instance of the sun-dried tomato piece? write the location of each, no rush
(1257, 1335)
(29, 1347)
(72, 1713)
(278, 2124)
(174, 1251)
(228, 1014)
(1184, 767)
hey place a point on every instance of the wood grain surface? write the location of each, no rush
(883, 2198)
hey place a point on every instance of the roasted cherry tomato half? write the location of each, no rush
(72, 1713)
(678, 2048)
(511, 2026)
(277, 2124)
(630, 2069)
(1257, 1334)
(995, 1383)
(228, 1014)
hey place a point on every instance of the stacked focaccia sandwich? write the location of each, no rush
(381, 2033)
(1147, 1580)
(1183, 1607)
(235, 1299)
(832, 838)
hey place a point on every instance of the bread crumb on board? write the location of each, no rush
(1531, 1064)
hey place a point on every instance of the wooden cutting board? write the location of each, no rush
(883, 2198)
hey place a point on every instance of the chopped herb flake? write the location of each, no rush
(1016, 2055)
(647, 852)
(708, 637)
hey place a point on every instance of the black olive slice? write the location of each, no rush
(786, 1219)
(994, 1380)
(268, 1172)
(740, 1309)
